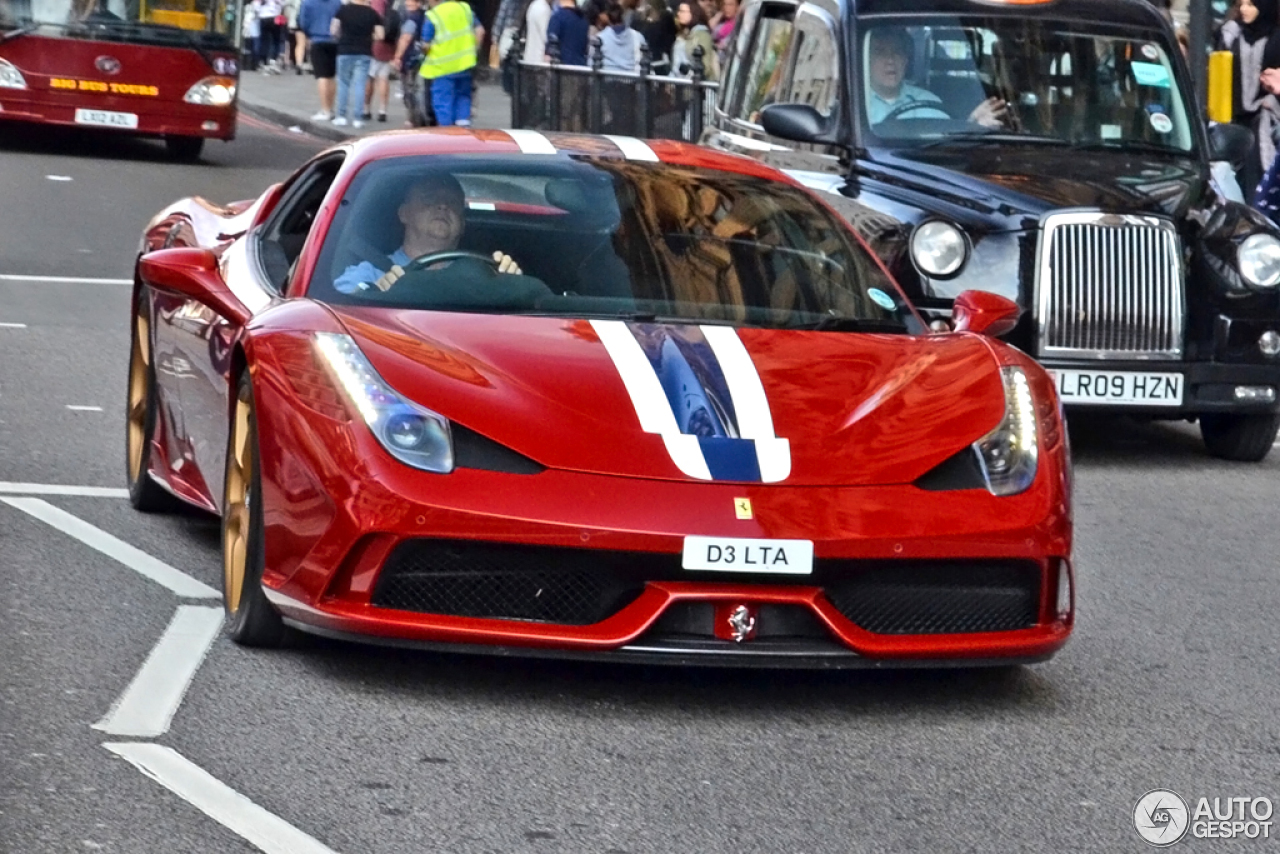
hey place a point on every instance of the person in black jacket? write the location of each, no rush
(1248, 35)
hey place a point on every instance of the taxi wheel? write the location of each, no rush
(1244, 438)
(184, 148)
(251, 620)
(140, 420)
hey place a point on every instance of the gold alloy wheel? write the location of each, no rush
(139, 379)
(235, 528)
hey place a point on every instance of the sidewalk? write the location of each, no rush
(289, 100)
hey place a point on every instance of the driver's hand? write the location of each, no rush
(507, 264)
(991, 113)
(389, 278)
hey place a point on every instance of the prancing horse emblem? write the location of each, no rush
(742, 623)
(107, 64)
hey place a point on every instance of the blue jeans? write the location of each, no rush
(353, 70)
(451, 99)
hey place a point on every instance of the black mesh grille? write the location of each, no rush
(936, 598)
(512, 582)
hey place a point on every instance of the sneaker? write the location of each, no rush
(340, 122)
(366, 116)
(382, 117)
(322, 116)
(358, 123)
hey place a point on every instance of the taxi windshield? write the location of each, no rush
(179, 23)
(599, 237)
(960, 80)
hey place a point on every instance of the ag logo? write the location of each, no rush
(107, 64)
(1161, 817)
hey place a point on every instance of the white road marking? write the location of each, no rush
(139, 561)
(12, 277)
(83, 408)
(263, 830)
(10, 488)
(58, 177)
(148, 705)
(13, 326)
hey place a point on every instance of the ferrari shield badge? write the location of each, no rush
(742, 507)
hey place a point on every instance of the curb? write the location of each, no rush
(323, 130)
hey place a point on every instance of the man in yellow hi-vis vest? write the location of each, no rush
(452, 36)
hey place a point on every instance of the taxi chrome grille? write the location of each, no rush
(1110, 287)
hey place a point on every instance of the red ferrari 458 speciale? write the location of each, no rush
(591, 396)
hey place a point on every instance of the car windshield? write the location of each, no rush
(600, 237)
(974, 80)
(193, 23)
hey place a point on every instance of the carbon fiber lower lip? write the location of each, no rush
(752, 655)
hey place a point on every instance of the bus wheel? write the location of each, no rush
(184, 148)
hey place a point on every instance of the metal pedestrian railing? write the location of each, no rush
(587, 99)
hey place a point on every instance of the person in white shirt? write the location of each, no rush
(536, 20)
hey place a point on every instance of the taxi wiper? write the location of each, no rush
(1128, 145)
(994, 137)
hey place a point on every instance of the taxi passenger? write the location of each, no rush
(889, 51)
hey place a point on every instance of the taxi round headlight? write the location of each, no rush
(1259, 260)
(939, 249)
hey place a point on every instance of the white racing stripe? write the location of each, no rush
(265, 831)
(647, 397)
(139, 561)
(7, 277)
(148, 705)
(10, 488)
(755, 421)
(632, 148)
(531, 142)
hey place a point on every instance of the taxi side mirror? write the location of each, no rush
(192, 273)
(796, 122)
(1231, 143)
(984, 313)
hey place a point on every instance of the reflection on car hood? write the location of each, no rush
(680, 401)
(1032, 180)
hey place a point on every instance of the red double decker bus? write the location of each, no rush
(121, 65)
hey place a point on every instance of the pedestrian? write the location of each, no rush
(536, 19)
(251, 30)
(356, 27)
(693, 33)
(293, 39)
(658, 25)
(384, 51)
(408, 58)
(722, 33)
(506, 26)
(452, 36)
(315, 20)
(1246, 34)
(270, 14)
(570, 28)
(619, 44)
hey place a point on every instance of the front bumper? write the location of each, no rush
(1208, 387)
(155, 117)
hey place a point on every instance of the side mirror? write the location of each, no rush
(192, 273)
(1231, 143)
(985, 313)
(796, 122)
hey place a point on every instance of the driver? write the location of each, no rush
(890, 50)
(433, 214)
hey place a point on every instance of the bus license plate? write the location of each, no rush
(106, 118)
(1119, 388)
(723, 554)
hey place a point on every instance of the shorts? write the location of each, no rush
(324, 60)
(379, 70)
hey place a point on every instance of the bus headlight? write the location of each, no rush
(212, 92)
(10, 76)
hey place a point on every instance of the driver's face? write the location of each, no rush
(888, 66)
(434, 216)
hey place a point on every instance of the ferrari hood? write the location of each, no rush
(690, 402)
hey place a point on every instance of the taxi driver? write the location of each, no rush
(889, 51)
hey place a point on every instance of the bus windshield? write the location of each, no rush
(201, 23)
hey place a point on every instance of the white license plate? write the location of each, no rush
(1119, 388)
(106, 118)
(722, 554)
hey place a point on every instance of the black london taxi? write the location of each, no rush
(1050, 152)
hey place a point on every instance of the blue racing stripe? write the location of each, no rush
(730, 459)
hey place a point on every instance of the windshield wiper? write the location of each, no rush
(1129, 145)
(840, 323)
(23, 30)
(994, 137)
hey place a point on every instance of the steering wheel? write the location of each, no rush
(424, 261)
(902, 109)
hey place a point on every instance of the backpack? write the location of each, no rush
(391, 26)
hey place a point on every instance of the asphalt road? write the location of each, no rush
(1171, 681)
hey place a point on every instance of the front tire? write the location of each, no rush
(1244, 438)
(251, 620)
(184, 149)
(145, 494)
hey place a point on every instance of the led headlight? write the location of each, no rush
(1259, 260)
(1009, 453)
(10, 76)
(412, 434)
(939, 249)
(212, 92)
